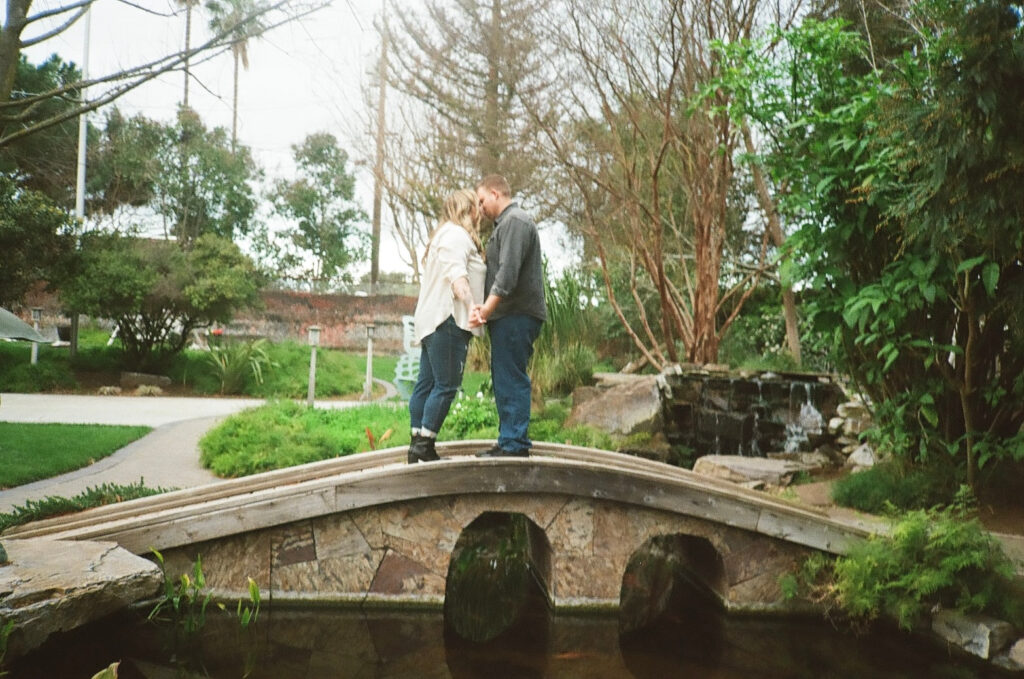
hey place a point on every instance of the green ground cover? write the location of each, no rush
(94, 496)
(32, 451)
(285, 433)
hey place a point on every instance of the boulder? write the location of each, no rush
(53, 586)
(979, 635)
(130, 380)
(863, 457)
(853, 410)
(1013, 659)
(742, 469)
(619, 404)
(835, 425)
(813, 462)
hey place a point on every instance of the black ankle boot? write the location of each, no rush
(422, 449)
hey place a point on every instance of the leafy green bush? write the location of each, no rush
(26, 378)
(471, 417)
(285, 433)
(932, 557)
(94, 496)
(233, 364)
(559, 372)
(564, 354)
(890, 485)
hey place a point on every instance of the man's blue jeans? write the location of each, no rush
(512, 339)
(442, 360)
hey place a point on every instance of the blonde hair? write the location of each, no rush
(460, 207)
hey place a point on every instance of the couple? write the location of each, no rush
(459, 293)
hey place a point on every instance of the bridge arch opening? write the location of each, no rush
(497, 581)
(675, 578)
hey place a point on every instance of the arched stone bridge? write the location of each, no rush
(370, 528)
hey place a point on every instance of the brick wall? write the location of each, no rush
(342, 319)
(287, 315)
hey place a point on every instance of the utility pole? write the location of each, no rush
(378, 168)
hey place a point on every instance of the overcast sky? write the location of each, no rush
(304, 77)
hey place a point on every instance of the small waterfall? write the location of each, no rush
(718, 434)
(810, 421)
(721, 413)
(755, 447)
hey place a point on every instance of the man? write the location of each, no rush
(514, 310)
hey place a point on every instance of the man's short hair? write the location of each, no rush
(496, 182)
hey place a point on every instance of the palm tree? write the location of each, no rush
(240, 19)
(188, 5)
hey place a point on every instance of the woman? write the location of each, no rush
(451, 283)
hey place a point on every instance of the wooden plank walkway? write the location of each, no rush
(368, 479)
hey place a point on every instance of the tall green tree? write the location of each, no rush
(124, 163)
(330, 231)
(158, 293)
(37, 241)
(903, 174)
(46, 161)
(239, 19)
(203, 185)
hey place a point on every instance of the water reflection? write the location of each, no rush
(497, 624)
(321, 643)
(496, 610)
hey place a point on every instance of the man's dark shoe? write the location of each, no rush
(498, 451)
(422, 449)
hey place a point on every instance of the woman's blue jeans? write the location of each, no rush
(442, 360)
(512, 339)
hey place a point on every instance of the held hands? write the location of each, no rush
(476, 316)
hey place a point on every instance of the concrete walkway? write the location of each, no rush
(167, 457)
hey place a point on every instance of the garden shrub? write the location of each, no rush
(93, 496)
(285, 434)
(234, 363)
(891, 485)
(26, 378)
(936, 557)
(471, 417)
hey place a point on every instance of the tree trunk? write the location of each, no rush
(764, 198)
(378, 171)
(10, 45)
(188, 46)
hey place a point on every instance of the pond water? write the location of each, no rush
(320, 643)
(497, 624)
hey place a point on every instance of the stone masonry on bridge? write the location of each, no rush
(401, 551)
(368, 528)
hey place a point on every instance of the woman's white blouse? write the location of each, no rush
(453, 255)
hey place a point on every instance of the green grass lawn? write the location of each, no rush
(31, 451)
